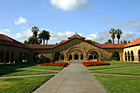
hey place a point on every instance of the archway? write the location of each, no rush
(76, 53)
(76, 57)
(56, 56)
(90, 57)
(132, 56)
(1, 57)
(37, 57)
(125, 56)
(128, 56)
(61, 57)
(7, 57)
(20, 57)
(115, 56)
(139, 55)
(93, 55)
(12, 57)
(70, 57)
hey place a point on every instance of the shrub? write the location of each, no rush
(55, 64)
(95, 63)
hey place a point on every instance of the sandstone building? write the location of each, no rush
(75, 48)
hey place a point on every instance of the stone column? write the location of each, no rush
(72, 57)
(79, 56)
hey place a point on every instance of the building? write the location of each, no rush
(75, 48)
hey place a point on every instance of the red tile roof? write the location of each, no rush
(110, 45)
(135, 42)
(63, 41)
(5, 40)
(76, 35)
(41, 46)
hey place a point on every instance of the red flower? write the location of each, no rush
(95, 63)
(54, 64)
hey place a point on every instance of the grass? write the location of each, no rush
(114, 64)
(17, 72)
(34, 66)
(119, 84)
(22, 85)
(126, 71)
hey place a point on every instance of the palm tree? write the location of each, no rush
(47, 36)
(35, 30)
(112, 32)
(33, 40)
(119, 33)
(43, 36)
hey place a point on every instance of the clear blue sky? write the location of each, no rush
(90, 18)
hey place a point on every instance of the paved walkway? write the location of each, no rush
(116, 75)
(27, 75)
(72, 79)
(29, 69)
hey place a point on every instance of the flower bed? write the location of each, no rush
(95, 63)
(55, 64)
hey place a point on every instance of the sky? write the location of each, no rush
(63, 18)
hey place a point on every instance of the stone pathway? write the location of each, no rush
(29, 69)
(113, 68)
(27, 75)
(73, 79)
(116, 75)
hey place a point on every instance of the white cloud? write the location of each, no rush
(24, 35)
(68, 5)
(20, 20)
(4, 30)
(60, 36)
(102, 37)
(129, 24)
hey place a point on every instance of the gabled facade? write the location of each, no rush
(75, 48)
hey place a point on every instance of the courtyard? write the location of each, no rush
(122, 77)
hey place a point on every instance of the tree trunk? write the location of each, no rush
(43, 41)
(46, 42)
(118, 41)
(113, 41)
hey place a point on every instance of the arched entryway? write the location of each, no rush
(70, 57)
(56, 56)
(132, 56)
(12, 57)
(128, 56)
(7, 57)
(93, 55)
(37, 57)
(115, 56)
(125, 56)
(76, 57)
(90, 57)
(139, 55)
(2, 57)
(75, 54)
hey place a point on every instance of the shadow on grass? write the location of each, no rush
(12, 68)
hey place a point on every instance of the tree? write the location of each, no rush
(129, 41)
(109, 41)
(112, 32)
(125, 41)
(47, 36)
(35, 30)
(119, 33)
(44, 35)
(91, 42)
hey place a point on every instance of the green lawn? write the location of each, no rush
(35, 66)
(126, 71)
(17, 72)
(22, 85)
(119, 84)
(115, 64)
